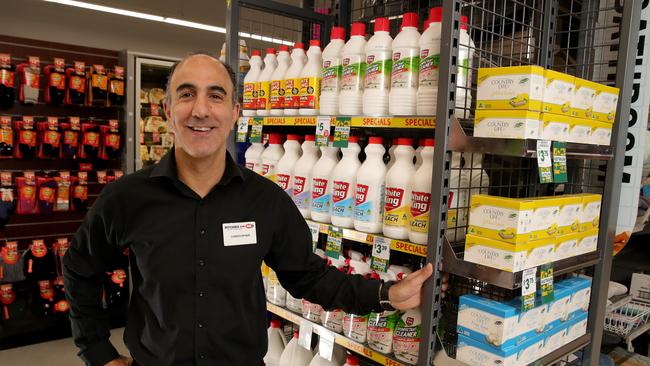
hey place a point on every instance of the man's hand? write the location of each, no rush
(120, 361)
(407, 293)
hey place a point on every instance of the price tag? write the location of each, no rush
(342, 132)
(380, 254)
(546, 283)
(256, 129)
(334, 242)
(559, 162)
(544, 161)
(314, 228)
(242, 129)
(304, 334)
(528, 288)
(325, 344)
(323, 130)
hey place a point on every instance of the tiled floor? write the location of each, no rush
(56, 353)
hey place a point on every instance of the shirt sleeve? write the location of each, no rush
(306, 275)
(90, 255)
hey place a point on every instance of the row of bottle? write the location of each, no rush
(372, 197)
(386, 332)
(380, 76)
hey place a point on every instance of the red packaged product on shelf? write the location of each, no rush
(63, 184)
(70, 137)
(27, 194)
(38, 262)
(7, 297)
(7, 82)
(76, 77)
(29, 80)
(6, 138)
(80, 192)
(27, 138)
(50, 138)
(110, 149)
(116, 86)
(47, 188)
(55, 82)
(97, 86)
(90, 141)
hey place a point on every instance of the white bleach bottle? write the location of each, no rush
(302, 176)
(466, 50)
(355, 326)
(249, 99)
(253, 155)
(378, 70)
(369, 193)
(418, 154)
(284, 168)
(421, 195)
(399, 183)
(276, 343)
(271, 155)
(292, 80)
(354, 69)
(321, 183)
(391, 154)
(344, 180)
(429, 64)
(276, 99)
(264, 81)
(330, 84)
(310, 77)
(295, 354)
(459, 185)
(405, 68)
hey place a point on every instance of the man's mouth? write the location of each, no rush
(200, 129)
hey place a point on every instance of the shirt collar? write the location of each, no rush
(167, 168)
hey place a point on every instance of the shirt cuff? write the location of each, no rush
(370, 296)
(99, 354)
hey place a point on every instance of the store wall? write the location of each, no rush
(58, 23)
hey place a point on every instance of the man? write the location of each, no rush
(198, 227)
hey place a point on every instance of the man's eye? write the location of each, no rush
(185, 95)
(216, 96)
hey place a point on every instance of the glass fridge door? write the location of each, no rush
(153, 139)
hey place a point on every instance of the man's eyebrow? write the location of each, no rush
(185, 86)
(217, 88)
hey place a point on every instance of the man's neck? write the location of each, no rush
(200, 175)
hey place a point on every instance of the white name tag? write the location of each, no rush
(239, 233)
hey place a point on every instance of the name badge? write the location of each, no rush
(239, 233)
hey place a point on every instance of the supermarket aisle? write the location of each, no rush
(55, 353)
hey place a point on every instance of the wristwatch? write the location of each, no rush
(383, 295)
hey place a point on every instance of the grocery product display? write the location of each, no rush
(310, 79)
(405, 68)
(332, 72)
(353, 62)
(264, 83)
(378, 59)
(251, 87)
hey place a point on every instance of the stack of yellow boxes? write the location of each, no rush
(529, 102)
(513, 234)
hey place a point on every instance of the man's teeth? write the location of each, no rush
(201, 129)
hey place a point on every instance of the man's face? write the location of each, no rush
(201, 113)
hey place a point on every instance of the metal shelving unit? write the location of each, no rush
(566, 36)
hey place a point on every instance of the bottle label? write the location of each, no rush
(320, 198)
(292, 93)
(268, 170)
(380, 331)
(395, 212)
(301, 196)
(263, 95)
(354, 70)
(420, 205)
(342, 203)
(309, 92)
(429, 64)
(378, 70)
(284, 181)
(406, 67)
(366, 209)
(249, 96)
(331, 75)
(355, 327)
(277, 94)
(406, 341)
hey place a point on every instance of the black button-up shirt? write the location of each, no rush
(196, 300)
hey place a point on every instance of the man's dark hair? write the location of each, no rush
(231, 74)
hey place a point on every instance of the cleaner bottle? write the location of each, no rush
(352, 360)
(369, 193)
(292, 80)
(276, 343)
(378, 70)
(421, 195)
(333, 319)
(478, 178)
(302, 176)
(344, 182)
(355, 326)
(354, 69)
(466, 50)
(272, 155)
(275, 293)
(253, 155)
(406, 64)
(310, 80)
(249, 105)
(276, 99)
(459, 203)
(406, 339)
(320, 361)
(429, 64)
(284, 168)
(399, 183)
(294, 354)
(264, 81)
(321, 183)
(381, 325)
(331, 74)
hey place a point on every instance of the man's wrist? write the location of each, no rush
(384, 299)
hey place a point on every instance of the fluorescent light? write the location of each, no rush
(158, 18)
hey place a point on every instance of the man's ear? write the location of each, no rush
(235, 114)
(166, 108)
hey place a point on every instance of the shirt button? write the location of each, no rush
(202, 232)
(201, 262)
(201, 294)
(200, 325)
(202, 356)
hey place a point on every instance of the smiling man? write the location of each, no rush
(198, 227)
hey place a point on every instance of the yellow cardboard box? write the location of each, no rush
(605, 103)
(506, 256)
(499, 218)
(555, 127)
(514, 87)
(582, 102)
(558, 92)
(507, 124)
